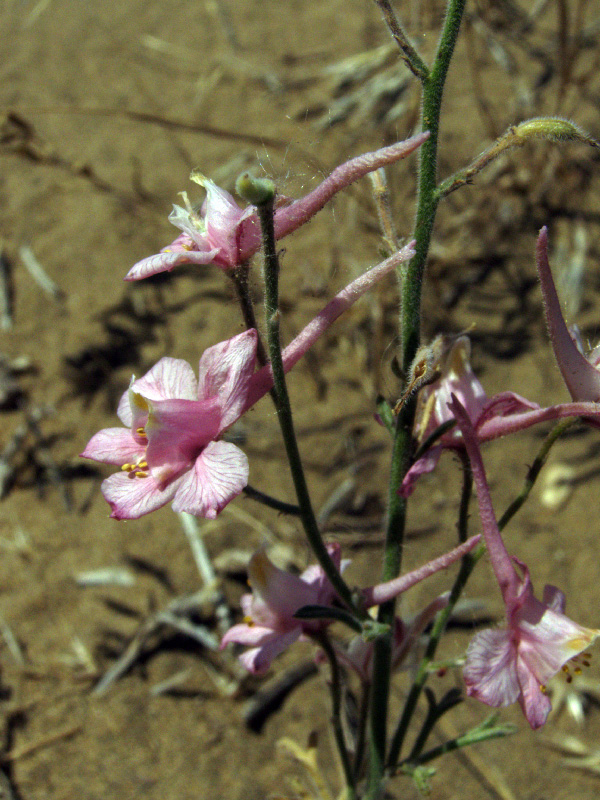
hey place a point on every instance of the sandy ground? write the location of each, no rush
(105, 112)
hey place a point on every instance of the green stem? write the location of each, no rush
(271, 502)
(284, 410)
(336, 714)
(363, 718)
(439, 625)
(535, 469)
(411, 279)
(239, 277)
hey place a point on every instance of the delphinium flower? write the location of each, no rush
(270, 624)
(170, 448)
(514, 663)
(491, 417)
(456, 377)
(226, 235)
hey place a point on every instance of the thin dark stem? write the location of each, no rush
(284, 410)
(535, 469)
(439, 626)
(363, 718)
(336, 714)
(240, 281)
(271, 502)
(409, 54)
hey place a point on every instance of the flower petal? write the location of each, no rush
(490, 672)
(113, 446)
(169, 379)
(219, 474)
(166, 260)
(225, 372)
(130, 497)
(177, 431)
(258, 660)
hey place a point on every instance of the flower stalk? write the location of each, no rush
(282, 402)
(411, 279)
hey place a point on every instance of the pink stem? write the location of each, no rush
(262, 380)
(387, 591)
(501, 561)
(582, 379)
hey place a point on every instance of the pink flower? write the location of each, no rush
(224, 234)
(358, 654)
(174, 424)
(170, 449)
(457, 378)
(269, 625)
(516, 662)
(580, 374)
(493, 417)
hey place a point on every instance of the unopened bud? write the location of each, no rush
(554, 129)
(423, 370)
(257, 191)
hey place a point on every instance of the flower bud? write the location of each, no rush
(257, 191)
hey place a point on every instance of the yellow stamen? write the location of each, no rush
(141, 432)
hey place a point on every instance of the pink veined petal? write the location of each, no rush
(535, 704)
(549, 639)
(490, 672)
(130, 497)
(113, 446)
(166, 261)
(219, 474)
(177, 430)
(225, 371)
(169, 379)
(258, 660)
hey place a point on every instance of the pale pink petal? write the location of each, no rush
(166, 261)
(225, 372)
(426, 464)
(113, 446)
(130, 497)
(490, 672)
(581, 377)
(219, 474)
(549, 639)
(258, 660)
(177, 431)
(249, 635)
(169, 379)
(281, 592)
(535, 703)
